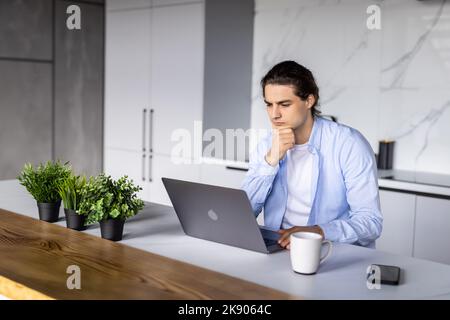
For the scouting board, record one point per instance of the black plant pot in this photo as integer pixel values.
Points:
(49, 211)
(74, 220)
(112, 229)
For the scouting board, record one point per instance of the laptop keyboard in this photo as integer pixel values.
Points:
(270, 237)
(270, 242)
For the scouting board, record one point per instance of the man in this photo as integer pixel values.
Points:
(311, 174)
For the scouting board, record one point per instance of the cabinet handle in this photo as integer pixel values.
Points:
(151, 130)
(236, 168)
(150, 160)
(143, 167)
(144, 120)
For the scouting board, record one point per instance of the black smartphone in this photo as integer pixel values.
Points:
(388, 274)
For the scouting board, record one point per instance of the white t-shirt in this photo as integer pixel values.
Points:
(299, 176)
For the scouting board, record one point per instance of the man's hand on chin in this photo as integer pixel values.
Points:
(285, 240)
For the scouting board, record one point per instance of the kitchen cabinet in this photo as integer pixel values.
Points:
(79, 64)
(176, 72)
(398, 211)
(153, 87)
(127, 79)
(25, 84)
(26, 29)
(51, 85)
(415, 225)
(25, 115)
(432, 229)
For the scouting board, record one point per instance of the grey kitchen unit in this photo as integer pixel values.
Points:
(79, 64)
(51, 85)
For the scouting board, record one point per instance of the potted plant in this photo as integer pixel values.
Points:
(43, 184)
(110, 202)
(70, 193)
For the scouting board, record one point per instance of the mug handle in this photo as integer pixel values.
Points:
(330, 246)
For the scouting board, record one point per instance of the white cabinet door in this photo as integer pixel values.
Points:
(220, 175)
(133, 164)
(165, 166)
(177, 52)
(398, 211)
(432, 232)
(127, 78)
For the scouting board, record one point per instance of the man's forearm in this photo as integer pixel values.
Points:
(284, 240)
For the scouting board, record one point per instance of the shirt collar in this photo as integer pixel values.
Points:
(316, 134)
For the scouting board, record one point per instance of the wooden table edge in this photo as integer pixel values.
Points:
(12, 289)
(16, 291)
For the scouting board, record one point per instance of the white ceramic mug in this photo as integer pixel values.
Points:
(305, 251)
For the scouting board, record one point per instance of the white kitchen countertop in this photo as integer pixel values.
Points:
(402, 180)
(156, 229)
(418, 182)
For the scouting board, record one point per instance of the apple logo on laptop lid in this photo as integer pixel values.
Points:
(212, 215)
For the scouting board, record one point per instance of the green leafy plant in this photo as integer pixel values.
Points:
(43, 182)
(70, 191)
(104, 198)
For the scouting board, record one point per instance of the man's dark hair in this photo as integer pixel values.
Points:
(296, 75)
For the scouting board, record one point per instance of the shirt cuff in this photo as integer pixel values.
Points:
(266, 169)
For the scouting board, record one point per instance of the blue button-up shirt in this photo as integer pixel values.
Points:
(345, 200)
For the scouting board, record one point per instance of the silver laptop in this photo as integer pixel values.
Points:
(219, 214)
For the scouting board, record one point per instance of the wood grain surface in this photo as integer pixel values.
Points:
(35, 255)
